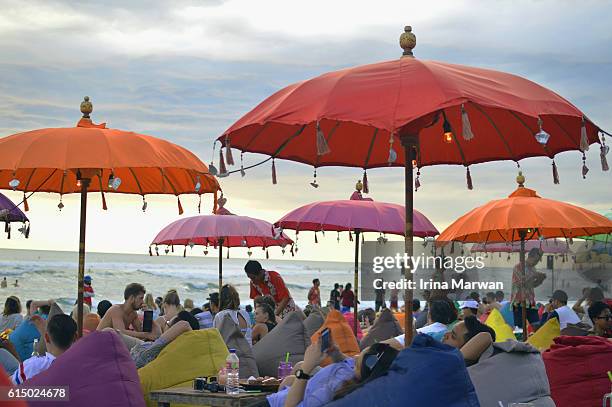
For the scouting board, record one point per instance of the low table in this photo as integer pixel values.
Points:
(186, 395)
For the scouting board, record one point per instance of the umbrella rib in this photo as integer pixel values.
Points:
(517, 117)
(331, 133)
(168, 179)
(456, 142)
(136, 180)
(367, 160)
(261, 130)
(29, 180)
(496, 129)
(565, 132)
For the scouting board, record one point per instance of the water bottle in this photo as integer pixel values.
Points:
(232, 367)
(34, 350)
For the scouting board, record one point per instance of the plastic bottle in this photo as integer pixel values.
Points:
(34, 350)
(232, 367)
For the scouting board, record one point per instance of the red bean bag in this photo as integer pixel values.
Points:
(577, 369)
(6, 385)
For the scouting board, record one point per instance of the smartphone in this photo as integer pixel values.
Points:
(147, 321)
(325, 339)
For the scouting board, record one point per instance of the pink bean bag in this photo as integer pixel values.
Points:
(98, 371)
(577, 369)
(349, 319)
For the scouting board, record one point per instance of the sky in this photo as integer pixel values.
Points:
(186, 70)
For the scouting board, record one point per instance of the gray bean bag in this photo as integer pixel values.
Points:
(313, 322)
(234, 339)
(511, 371)
(288, 336)
(385, 327)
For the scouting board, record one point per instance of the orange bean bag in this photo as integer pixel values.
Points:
(342, 335)
(401, 318)
(90, 322)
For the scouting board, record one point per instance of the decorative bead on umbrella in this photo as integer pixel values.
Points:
(439, 113)
(93, 158)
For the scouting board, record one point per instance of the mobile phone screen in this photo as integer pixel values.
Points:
(147, 322)
(325, 338)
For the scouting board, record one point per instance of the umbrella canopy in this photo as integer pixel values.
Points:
(601, 238)
(90, 157)
(9, 212)
(521, 217)
(409, 113)
(552, 246)
(221, 229)
(359, 215)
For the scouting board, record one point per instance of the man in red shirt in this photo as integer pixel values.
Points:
(88, 291)
(264, 282)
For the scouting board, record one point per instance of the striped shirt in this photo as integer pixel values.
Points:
(31, 367)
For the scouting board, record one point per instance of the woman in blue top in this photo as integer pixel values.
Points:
(333, 381)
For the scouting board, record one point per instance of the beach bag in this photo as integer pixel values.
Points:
(349, 317)
(543, 338)
(427, 374)
(517, 361)
(313, 322)
(385, 327)
(577, 369)
(503, 331)
(289, 336)
(98, 372)
(341, 333)
(193, 354)
(234, 339)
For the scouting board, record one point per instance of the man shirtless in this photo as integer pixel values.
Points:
(123, 317)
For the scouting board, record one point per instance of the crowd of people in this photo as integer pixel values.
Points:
(146, 325)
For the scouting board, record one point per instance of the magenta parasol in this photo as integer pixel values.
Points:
(356, 215)
(223, 229)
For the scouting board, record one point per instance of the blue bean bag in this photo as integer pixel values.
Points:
(508, 313)
(428, 373)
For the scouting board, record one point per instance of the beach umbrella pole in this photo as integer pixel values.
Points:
(83, 225)
(522, 235)
(410, 143)
(220, 243)
(357, 232)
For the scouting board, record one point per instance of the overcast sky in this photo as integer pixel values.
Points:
(186, 70)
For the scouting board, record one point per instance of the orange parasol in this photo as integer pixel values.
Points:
(90, 157)
(524, 216)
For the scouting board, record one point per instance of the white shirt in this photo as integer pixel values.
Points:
(566, 316)
(247, 332)
(31, 367)
(427, 329)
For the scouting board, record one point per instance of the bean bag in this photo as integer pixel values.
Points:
(289, 336)
(428, 373)
(579, 329)
(503, 331)
(5, 384)
(400, 317)
(385, 327)
(98, 371)
(508, 314)
(349, 317)
(234, 339)
(543, 338)
(90, 323)
(577, 369)
(193, 354)
(341, 333)
(511, 359)
(313, 322)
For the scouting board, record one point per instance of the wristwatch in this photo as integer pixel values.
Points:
(301, 375)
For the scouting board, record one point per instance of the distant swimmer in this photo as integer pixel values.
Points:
(16, 283)
(3, 284)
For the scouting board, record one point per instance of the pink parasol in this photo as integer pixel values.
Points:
(356, 215)
(219, 230)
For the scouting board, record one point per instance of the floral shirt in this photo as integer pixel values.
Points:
(274, 286)
(522, 287)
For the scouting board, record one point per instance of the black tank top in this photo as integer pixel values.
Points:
(270, 325)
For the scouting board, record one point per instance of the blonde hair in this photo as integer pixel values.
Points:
(150, 302)
(172, 298)
(188, 304)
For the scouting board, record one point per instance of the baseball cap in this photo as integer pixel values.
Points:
(469, 304)
(213, 298)
(87, 279)
(559, 295)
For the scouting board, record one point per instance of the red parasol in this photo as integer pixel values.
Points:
(439, 113)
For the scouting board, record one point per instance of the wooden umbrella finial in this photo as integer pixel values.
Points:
(520, 179)
(407, 41)
(86, 107)
(359, 186)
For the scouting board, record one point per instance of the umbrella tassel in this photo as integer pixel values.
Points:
(156, 250)
(216, 202)
(366, 187)
(316, 241)
(199, 203)
(8, 231)
(584, 140)
(468, 176)
(144, 204)
(417, 181)
(350, 236)
(242, 172)
(150, 252)
(322, 146)
(222, 167)
(27, 233)
(229, 157)
(104, 207)
(603, 151)
(274, 181)
(267, 254)
(180, 207)
(26, 207)
(227, 257)
(555, 173)
(185, 252)
(6, 226)
(585, 169)
(467, 127)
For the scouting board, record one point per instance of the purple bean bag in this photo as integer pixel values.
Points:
(98, 371)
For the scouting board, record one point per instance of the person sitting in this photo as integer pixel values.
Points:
(601, 317)
(171, 306)
(146, 352)
(59, 332)
(124, 319)
(11, 315)
(559, 309)
(492, 302)
(249, 310)
(75, 311)
(469, 308)
(441, 314)
(150, 305)
(24, 335)
(103, 306)
(230, 305)
(334, 381)
(264, 322)
(188, 304)
(205, 317)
